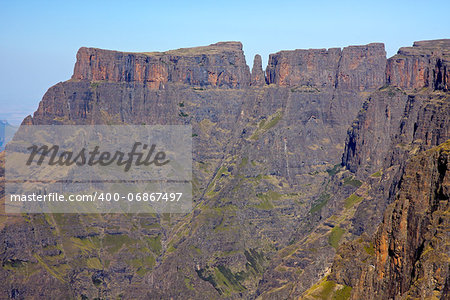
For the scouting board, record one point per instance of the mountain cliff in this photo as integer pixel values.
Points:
(425, 64)
(356, 67)
(290, 167)
(221, 64)
(404, 164)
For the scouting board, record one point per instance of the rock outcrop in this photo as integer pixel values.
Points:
(258, 77)
(355, 67)
(390, 119)
(399, 147)
(425, 64)
(411, 245)
(409, 256)
(221, 64)
(393, 125)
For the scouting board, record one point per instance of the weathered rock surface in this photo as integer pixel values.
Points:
(425, 64)
(393, 125)
(271, 201)
(258, 77)
(221, 64)
(387, 147)
(409, 256)
(356, 67)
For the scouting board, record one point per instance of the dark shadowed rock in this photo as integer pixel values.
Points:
(391, 127)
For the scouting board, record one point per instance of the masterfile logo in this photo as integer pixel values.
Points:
(94, 157)
(99, 168)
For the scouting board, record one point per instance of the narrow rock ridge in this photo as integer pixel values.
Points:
(355, 67)
(425, 64)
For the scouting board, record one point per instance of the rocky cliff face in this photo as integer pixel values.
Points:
(408, 257)
(411, 245)
(425, 64)
(393, 125)
(390, 261)
(356, 67)
(221, 64)
(271, 202)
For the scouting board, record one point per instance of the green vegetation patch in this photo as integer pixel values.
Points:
(320, 203)
(188, 284)
(86, 245)
(352, 200)
(227, 280)
(266, 199)
(376, 174)
(57, 271)
(210, 190)
(114, 242)
(327, 289)
(352, 181)
(335, 236)
(272, 122)
(370, 249)
(94, 263)
(265, 205)
(255, 260)
(244, 162)
(171, 249)
(333, 171)
(143, 264)
(154, 244)
(343, 294)
(265, 125)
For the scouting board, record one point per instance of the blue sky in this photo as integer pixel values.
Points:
(39, 39)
